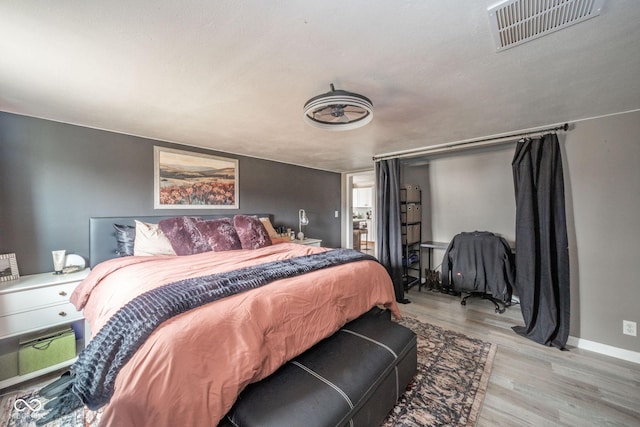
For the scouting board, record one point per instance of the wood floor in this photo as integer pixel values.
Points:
(534, 385)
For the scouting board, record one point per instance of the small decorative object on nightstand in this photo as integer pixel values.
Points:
(8, 267)
(308, 242)
(58, 260)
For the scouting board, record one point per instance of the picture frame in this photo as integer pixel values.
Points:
(8, 267)
(189, 180)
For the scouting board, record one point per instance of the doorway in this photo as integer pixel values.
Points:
(359, 226)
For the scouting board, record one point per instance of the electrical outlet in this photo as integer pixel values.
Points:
(629, 327)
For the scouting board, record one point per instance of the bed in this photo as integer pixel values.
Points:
(191, 369)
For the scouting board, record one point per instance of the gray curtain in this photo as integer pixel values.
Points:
(542, 249)
(388, 222)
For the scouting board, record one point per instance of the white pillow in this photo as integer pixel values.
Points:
(150, 241)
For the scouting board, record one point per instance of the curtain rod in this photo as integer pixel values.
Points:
(471, 143)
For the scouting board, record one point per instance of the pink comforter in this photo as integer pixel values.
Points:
(191, 369)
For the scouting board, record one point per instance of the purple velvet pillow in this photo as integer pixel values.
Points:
(184, 236)
(252, 233)
(219, 234)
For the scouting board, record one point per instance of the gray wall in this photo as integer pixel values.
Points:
(55, 176)
(474, 191)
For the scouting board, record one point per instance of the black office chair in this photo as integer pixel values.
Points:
(480, 263)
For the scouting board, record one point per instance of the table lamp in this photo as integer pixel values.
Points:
(302, 220)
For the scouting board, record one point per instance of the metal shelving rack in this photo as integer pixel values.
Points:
(411, 227)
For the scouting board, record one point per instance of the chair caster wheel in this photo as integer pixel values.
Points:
(463, 303)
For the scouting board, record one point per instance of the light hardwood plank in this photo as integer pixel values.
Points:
(534, 385)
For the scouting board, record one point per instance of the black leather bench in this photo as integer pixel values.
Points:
(352, 378)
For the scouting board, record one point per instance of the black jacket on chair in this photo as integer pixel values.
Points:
(479, 261)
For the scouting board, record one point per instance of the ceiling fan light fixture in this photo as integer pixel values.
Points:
(338, 110)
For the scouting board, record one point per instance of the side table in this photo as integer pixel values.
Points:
(308, 242)
(34, 303)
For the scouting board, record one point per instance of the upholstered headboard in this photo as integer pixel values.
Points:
(102, 237)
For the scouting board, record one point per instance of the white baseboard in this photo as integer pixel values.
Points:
(619, 353)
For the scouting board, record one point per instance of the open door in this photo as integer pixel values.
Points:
(359, 224)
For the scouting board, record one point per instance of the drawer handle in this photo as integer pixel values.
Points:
(62, 293)
(62, 314)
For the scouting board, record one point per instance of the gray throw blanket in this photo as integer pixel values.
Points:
(95, 371)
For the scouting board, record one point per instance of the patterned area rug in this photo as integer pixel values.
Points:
(448, 389)
(451, 382)
(25, 408)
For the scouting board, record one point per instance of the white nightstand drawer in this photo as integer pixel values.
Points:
(38, 319)
(17, 302)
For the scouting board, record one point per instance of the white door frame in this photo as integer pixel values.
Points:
(346, 225)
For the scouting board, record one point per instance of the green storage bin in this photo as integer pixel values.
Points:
(8, 365)
(48, 349)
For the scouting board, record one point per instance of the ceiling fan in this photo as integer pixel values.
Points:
(338, 110)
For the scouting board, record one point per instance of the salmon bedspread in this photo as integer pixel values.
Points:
(191, 369)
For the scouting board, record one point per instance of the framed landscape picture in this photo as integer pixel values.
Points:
(8, 267)
(187, 180)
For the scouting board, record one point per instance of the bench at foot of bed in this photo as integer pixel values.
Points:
(352, 378)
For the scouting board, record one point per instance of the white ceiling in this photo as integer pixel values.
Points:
(234, 75)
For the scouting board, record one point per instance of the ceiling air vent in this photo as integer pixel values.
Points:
(514, 22)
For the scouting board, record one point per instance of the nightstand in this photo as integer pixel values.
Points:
(34, 303)
(308, 242)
